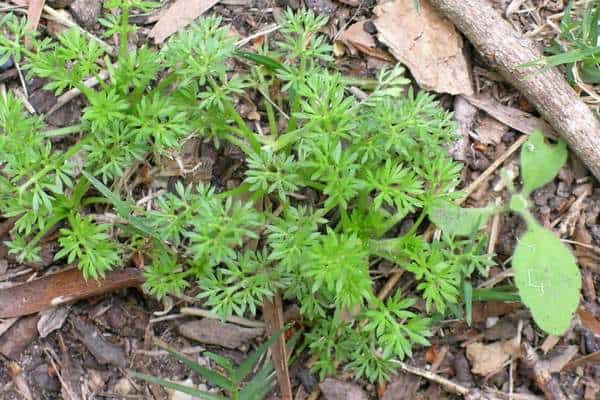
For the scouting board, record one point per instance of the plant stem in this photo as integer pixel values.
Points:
(67, 130)
(124, 32)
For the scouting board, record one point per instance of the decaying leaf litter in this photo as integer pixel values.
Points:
(78, 359)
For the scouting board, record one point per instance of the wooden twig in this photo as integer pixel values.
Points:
(507, 50)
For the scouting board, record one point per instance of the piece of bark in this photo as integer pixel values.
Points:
(18, 337)
(426, 43)
(212, 331)
(103, 351)
(60, 288)
(273, 316)
(507, 50)
(543, 378)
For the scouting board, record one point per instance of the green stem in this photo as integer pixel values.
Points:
(49, 167)
(244, 130)
(124, 32)
(67, 130)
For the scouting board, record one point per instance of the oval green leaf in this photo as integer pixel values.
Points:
(457, 221)
(540, 161)
(548, 279)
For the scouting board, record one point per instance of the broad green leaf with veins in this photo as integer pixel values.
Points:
(454, 220)
(548, 278)
(540, 162)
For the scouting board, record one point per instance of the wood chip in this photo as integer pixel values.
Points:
(333, 389)
(52, 319)
(427, 44)
(18, 337)
(179, 15)
(60, 288)
(211, 331)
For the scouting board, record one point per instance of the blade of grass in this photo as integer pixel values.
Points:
(211, 376)
(176, 386)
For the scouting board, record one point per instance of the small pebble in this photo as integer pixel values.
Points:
(7, 65)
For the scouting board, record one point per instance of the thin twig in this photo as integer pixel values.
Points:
(199, 312)
(493, 167)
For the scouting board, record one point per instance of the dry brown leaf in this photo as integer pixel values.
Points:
(179, 15)
(356, 38)
(427, 44)
(34, 13)
(515, 118)
(334, 389)
(489, 130)
(212, 331)
(589, 320)
(356, 33)
(489, 358)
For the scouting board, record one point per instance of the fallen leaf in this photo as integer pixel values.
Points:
(103, 351)
(62, 287)
(426, 43)
(333, 389)
(489, 130)
(34, 13)
(179, 15)
(589, 320)
(515, 118)
(557, 362)
(402, 387)
(487, 359)
(23, 332)
(52, 319)
(211, 331)
(484, 310)
(356, 33)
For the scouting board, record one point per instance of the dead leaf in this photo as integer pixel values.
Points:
(273, 316)
(103, 351)
(333, 389)
(557, 362)
(481, 311)
(589, 320)
(402, 387)
(34, 13)
(62, 287)
(487, 359)
(211, 331)
(356, 33)
(179, 15)
(23, 332)
(426, 43)
(357, 38)
(515, 118)
(52, 319)
(489, 130)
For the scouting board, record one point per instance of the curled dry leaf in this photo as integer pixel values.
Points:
(427, 44)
